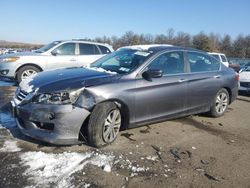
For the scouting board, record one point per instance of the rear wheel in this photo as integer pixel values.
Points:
(25, 72)
(220, 103)
(104, 124)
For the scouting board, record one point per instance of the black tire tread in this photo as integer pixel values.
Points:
(95, 125)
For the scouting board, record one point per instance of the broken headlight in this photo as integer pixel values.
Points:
(63, 97)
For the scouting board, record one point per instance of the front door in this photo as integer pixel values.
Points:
(63, 56)
(165, 96)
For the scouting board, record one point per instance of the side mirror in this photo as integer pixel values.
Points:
(55, 52)
(152, 73)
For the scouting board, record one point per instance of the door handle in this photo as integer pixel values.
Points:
(73, 59)
(182, 80)
(217, 76)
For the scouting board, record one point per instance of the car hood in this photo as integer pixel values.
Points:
(66, 79)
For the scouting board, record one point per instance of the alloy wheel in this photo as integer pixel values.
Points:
(28, 73)
(221, 102)
(112, 126)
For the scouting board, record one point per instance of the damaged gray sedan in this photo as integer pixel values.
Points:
(131, 87)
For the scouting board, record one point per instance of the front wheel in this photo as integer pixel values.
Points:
(220, 103)
(104, 124)
(25, 72)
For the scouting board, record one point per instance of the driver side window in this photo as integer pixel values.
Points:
(65, 49)
(169, 63)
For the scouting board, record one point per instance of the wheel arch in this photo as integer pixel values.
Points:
(124, 112)
(27, 64)
(229, 93)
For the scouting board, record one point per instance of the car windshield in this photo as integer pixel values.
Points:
(123, 61)
(47, 47)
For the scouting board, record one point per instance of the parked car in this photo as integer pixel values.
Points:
(130, 87)
(245, 66)
(58, 54)
(245, 80)
(221, 57)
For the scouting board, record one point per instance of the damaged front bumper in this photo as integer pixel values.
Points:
(55, 124)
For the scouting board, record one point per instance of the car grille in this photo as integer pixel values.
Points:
(21, 95)
(245, 84)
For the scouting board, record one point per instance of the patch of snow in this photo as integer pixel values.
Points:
(133, 174)
(99, 69)
(102, 160)
(107, 168)
(49, 169)
(25, 84)
(10, 146)
(138, 169)
(151, 158)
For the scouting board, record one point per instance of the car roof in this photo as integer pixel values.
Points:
(215, 53)
(84, 41)
(158, 47)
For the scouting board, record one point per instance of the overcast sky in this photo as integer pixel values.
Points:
(48, 20)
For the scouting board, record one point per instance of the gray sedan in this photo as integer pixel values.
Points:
(132, 86)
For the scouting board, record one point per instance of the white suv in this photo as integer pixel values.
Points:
(58, 54)
(221, 57)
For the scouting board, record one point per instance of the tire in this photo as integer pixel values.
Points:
(26, 71)
(104, 124)
(220, 103)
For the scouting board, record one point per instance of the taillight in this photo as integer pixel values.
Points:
(237, 76)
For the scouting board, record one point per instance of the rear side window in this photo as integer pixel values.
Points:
(169, 63)
(65, 49)
(224, 59)
(88, 49)
(104, 49)
(216, 56)
(202, 63)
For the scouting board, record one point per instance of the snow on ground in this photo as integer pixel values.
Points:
(49, 169)
(10, 146)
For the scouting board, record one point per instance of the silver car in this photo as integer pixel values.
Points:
(130, 87)
(58, 54)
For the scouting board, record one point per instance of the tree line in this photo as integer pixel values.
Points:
(238, 47)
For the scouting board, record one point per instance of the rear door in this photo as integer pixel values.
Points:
(164, 96)
(204, 80)
(64, 56)
(88, 53)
